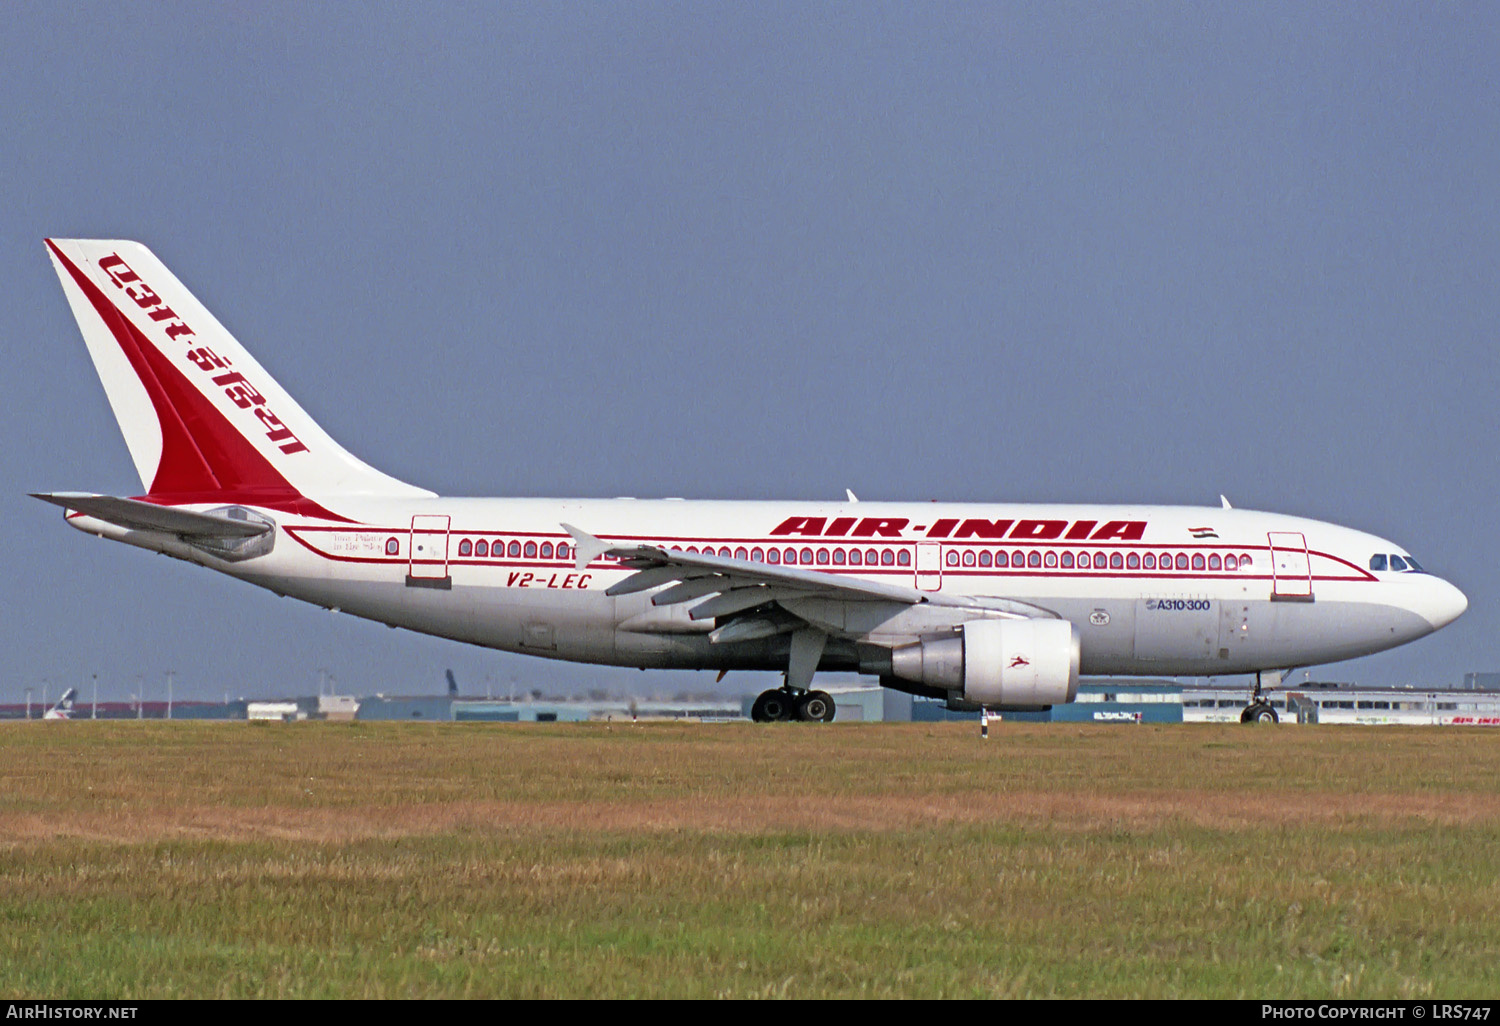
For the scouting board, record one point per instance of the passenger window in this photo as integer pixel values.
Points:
(392, 547)
(838, 557)
(789, 557)
(1182, 561)
(1050, 560)
(1067, 560)
(855, 557)
(531, 550)
(1133, 561)
(1116, 561)
(1002, 559)
(822, 557)
(1214, 562)
(872, 557)
(1397, 563)
(1231, 563)
(1033, 558)
(1149, 561)
(692, 550)
(481, 548)
(951, 558)
(1084, 561)
(465, 547)
(546, 550)
(968, 557)
(757, 555)
(1018, 558)
(903, 557)
(1245, 560)
(985, 559)
(724, 551)
(513, 549)
(773, 556)
(739, 552)
(1197, 561)
(887, 557)
(807, 557)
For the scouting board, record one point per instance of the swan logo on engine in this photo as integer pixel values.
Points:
(1019, 661)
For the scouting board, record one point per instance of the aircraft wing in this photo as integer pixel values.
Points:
(722, 586)
(135, 515)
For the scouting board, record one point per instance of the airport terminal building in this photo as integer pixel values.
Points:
(862, 700)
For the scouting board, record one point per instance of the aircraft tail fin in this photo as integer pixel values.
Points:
(64, 707)
(203, 420)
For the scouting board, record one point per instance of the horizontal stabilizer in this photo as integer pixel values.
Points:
(135, 515)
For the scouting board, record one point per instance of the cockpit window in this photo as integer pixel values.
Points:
(1399, 564)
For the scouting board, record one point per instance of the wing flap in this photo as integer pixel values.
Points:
(693, 575)
(740, 599)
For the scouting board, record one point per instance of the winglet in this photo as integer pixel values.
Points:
(850, 492)
(586, 547)
(1225, 502)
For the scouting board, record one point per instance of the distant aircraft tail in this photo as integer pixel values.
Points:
(203, 421)
(64, 708)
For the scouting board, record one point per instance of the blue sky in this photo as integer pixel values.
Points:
(1091, 252)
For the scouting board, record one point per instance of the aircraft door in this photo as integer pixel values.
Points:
(429, 552)
(1291, 569)
(929, 566)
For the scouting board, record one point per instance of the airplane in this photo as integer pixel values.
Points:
(63, 710)
(996, 606)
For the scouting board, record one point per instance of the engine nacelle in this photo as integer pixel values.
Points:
(998, 662)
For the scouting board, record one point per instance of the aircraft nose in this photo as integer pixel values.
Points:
(1442, 603)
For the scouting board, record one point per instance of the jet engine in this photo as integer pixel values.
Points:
(997, 662)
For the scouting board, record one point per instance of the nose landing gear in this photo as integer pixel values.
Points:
(1259, 710)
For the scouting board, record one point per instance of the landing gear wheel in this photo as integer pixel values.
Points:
(1259, 712)
(772, 706)
(815, 707)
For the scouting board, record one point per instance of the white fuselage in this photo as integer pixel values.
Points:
(993, 605)
(1152, 590)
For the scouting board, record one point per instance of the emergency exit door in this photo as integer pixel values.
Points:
(1291, 569)
(429, 552)
(929, 566)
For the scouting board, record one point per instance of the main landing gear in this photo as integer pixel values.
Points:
(795, 700)
(782, 704)
(1259, 710)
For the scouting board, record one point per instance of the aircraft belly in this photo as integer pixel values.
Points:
(1161, 633)
(1203, 634)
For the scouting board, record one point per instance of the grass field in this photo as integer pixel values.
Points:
(402, 860)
